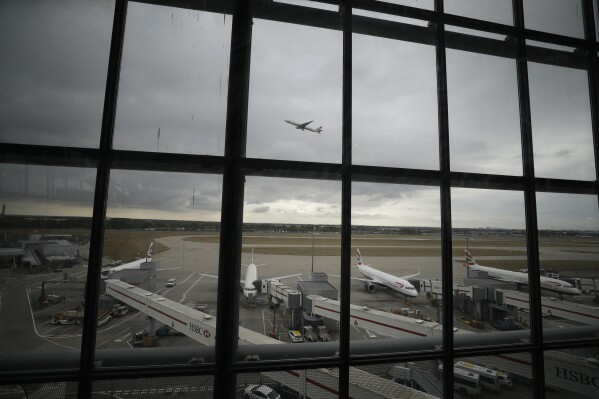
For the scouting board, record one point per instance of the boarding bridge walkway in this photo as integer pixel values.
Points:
(201, 327)
(565, 309)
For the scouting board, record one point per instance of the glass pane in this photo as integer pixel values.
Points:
(484, 121)
(563, 17)
(318, 384)
(572, 373)
(426, 4)
(45, 229)
(568, 238)
(561, 122)
(53, 72)
(160, 264)
(394, 105)
(509, 375)
(293, 233)
(396, 239)
(404, 379)
(179, 387)
(490, 264)
(499, 11)
(171, 99)
(52, 390)
(295, 93)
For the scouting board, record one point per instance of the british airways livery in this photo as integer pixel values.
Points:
(376, 277)
(547, 283)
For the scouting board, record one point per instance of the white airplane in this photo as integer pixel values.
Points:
(304, 126)
(135, 265)
(547, 283)
(250, 283)
(376, 277)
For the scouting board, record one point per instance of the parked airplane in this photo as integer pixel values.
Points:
(376, 277)
(547, 283)
(135, 265)
(304, 126)
(250, 283)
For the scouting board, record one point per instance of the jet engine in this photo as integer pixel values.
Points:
(368, 286)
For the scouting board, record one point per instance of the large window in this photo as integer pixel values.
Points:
(285, 199)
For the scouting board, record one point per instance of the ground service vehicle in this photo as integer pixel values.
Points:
(309, 334)
(488, 377)
(466, 382)
(171, 282)
(295, 336)
(119, 310)
(260, 392)
(166, 330)
(323, 334)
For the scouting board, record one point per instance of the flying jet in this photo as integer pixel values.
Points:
(375, 277)
(547, 283)
(304, 126)
(249, 285)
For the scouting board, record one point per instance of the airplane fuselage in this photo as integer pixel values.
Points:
(249, 290)
(388, 280)
(547, 283)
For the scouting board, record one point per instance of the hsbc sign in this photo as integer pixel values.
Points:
(200, 330)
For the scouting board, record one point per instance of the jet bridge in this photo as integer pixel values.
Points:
(565, 309)
(201, 327)
(197, 325)
(384, 323)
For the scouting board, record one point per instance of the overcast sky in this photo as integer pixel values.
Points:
(173, 98)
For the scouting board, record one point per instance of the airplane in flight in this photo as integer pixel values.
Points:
(250, 283)
(304, 126)
(547, 283)
(375, 277)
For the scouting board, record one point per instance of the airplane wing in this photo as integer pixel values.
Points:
(303, 125)
(282, 277)
(411, 275)
(208, 275)
(373, 281)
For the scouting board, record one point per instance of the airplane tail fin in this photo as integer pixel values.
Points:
(359, 258)
(469, 259)
(149, 253)
(318, 129)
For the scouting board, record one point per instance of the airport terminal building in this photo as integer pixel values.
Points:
(400, 132)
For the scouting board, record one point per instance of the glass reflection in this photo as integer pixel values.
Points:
(160, 265)
(563, 17)
(397, 248)
(53, 71)
(295, 89)
(173, 81)
(291, 247)
(484, 122)
(561, 122)
(44, 238)
(490, 266)
(394, 105)
(499, 11)
(568, 237)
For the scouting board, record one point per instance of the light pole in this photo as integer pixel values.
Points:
(313, 232)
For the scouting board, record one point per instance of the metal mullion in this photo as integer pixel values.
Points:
(218, 6)
(92, 288)
(532, 243)
(593, 77)
(166, 162)
(227, 323)
(445, 197)
(395, 9)
(26, 154)
(346, 184)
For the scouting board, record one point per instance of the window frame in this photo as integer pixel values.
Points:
(234, 166)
